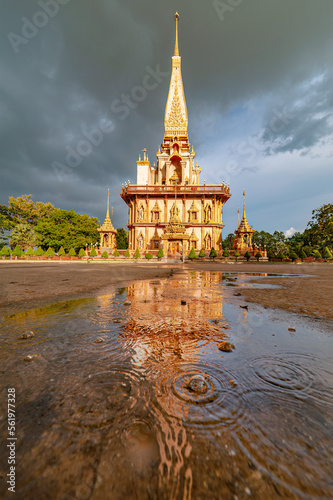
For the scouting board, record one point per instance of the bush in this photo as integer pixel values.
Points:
(213, 253)
(115, 253)
(258, 256)
(237, 254)
(93, 253)
(4, 252)
(281, 256)
(226, 253)
(29, 251)
(327, 254)
(247, 255)
(61, 252)
(192, 254)
(82, 253)
(127, 253)
(72, 253)
(137, 254)
(105, 255)
(160, 253)
(293, 256)
(149, 256)
(270, 254)
(38, 251)
(202, 253)
(50, 252)
(17, 251)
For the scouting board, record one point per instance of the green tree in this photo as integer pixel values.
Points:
(281, 256)
(302, 255)
(160, 253)
(237, 254)
(202, 253)
(38, 252)
(50, 253)
(6, 223)
(137, 254)
(93, 253)
(82, 253)
(105, 255)
(115, 253)
(228, 241)
(67, 229)
(293, 256)
(270, 254)
(25, 211)
(148, 256)
(327, 254)
(192, 255)
(127, 253)
(61, 252)
(29, 251)
(23, 235)
(316, 254)
(17, 251)
(71, 253)
(122, 238)
(320, 229)
(258, 256)
(213, 253)
(4, 252)
(226, 253)
(247, 255)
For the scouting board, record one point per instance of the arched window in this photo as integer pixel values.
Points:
(208, 242)
(141, 242)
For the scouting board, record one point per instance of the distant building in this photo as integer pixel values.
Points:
(168, 207)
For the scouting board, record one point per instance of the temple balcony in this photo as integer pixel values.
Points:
(157, 190)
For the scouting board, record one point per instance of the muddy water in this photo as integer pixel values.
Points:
(127, 396)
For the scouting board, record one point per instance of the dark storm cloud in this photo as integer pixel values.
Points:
(67, 82)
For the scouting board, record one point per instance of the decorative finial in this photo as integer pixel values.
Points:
(244, 201)
(108, 205)
(176, 42)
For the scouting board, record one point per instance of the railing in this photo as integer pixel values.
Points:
(180, 189)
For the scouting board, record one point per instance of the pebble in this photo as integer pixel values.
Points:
(183, 302)
(292, 329)
(127, 303)
(248, 491)
(99, 340)
(30, 357)
(226, 346)
(27, 335)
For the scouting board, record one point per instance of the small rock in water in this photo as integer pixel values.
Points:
(292, 329)
(30, 357)
(183, 302)
(237, 294)
(226, 346)
(117, 320)
(99, 340)
(233, 382)
(127, 303)
(197, 384)
(27, 335)
(244, 307)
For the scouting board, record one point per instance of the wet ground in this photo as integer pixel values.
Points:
(128, 396)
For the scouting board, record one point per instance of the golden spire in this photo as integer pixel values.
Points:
(108, 206)
(175, 121)
(176, 42)
(244, 226)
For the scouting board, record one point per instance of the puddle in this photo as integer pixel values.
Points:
(128, 396)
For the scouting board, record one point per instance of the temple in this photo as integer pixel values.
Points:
(168, 207)
(107, 231)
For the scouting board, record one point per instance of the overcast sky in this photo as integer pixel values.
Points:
(258, 84)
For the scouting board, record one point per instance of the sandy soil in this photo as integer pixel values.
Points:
(25, 285)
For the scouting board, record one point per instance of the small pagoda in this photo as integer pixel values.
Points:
(107, 231)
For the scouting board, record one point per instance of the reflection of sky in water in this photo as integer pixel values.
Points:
(143, 363)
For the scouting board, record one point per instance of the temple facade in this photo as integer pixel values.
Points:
(168, 206)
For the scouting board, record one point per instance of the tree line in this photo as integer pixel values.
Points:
(27, 224)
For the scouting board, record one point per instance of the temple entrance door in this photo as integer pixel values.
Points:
(174, 247)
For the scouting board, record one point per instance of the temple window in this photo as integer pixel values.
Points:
(156, 244)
